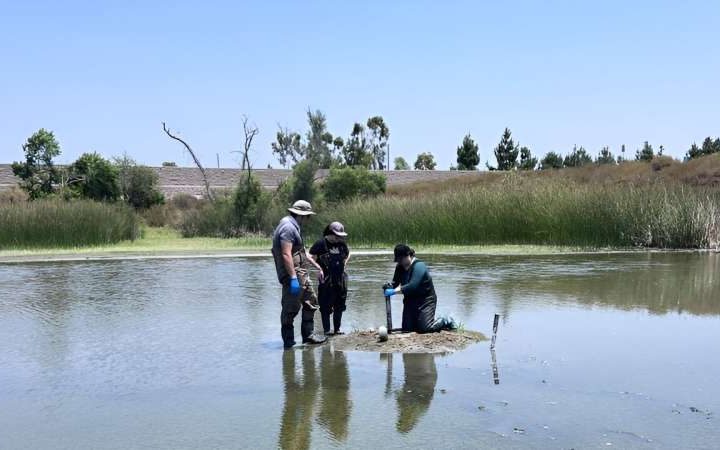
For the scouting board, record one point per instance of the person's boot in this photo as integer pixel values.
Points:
(325, 316)
(337, 319)
(288, 336)
(314, 339)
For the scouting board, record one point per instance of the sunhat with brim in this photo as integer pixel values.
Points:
(337, 229)
(301, 208)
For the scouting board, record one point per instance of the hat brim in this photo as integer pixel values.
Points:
(339, 233)
(300, 212)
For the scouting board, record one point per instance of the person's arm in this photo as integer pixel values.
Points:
(286, 249)
(347, 258)
(396, 277)
(414, 285)
(313, 261)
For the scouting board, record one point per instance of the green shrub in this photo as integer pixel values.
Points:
(93, 177)
(352, 182)
(59, 224)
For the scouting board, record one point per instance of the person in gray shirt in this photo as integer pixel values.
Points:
(292, 265)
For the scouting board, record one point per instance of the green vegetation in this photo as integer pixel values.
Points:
(541, 211)
(468, 157)
(425, 161)
(347, 183)
(37, 173)
(65, 224)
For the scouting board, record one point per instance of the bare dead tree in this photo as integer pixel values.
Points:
(250, 131)
(197, 162)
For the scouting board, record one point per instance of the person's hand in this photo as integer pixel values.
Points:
(294, 286)
(321, 277)
(389, 292)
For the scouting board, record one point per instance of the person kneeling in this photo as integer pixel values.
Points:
(413, 280)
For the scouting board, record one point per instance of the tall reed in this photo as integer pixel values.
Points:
(516, 211)
(61, 224)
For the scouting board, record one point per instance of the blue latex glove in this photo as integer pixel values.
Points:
(294, 286)
(389, 292)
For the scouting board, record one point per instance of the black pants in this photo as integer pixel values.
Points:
(332, 298)
(419, 315)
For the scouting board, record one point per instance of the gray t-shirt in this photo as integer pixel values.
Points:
(288, 230)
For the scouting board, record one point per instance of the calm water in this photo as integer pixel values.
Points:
(592, 351)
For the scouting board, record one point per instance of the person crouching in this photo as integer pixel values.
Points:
(412, 279)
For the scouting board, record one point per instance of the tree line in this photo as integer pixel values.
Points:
(90, 177)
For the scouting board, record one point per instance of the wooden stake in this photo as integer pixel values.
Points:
(495, 327)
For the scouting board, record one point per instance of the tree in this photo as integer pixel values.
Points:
(137, 185)
(379, 134)
(38, 173)
(709, 146)
(425, 161)
(645, 154)
(401, 164)
(169, 164)
(551, 161)
(577, 158)
(208, 192)
(694, 152)
(527, 161)
(319, 140)
(352, 182)
(605, 156)
(356, 151)
(506, 152)
(94, 177)
(468, 157)
(303, 181)
(141, 191)
(288, 147)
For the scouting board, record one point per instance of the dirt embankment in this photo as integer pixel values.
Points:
(442, 342)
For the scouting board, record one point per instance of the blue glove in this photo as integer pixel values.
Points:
(294, 286)
(389, 292)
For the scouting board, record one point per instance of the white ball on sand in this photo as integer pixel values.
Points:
(382, 334)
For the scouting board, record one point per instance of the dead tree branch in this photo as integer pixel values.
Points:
(197, 162)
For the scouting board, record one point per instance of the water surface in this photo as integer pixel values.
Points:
(593, 351)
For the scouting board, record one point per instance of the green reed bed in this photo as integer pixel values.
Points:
(61, 224)
(539, 212)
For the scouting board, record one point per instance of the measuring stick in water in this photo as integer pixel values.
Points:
(495, 327)
(388, 310)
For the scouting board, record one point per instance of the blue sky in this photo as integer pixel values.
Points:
(104, 75)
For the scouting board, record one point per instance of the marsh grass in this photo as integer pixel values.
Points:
(522, 211)
(61, 224)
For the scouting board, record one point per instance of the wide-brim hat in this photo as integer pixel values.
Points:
(337, 229)
(301, 208)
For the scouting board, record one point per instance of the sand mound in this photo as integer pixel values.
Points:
(442, 342)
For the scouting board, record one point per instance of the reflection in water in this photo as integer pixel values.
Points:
(417, 391)
(300, 391)
(335, 403)
(493, 358)
(301, 395)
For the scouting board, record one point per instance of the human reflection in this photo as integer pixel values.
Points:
(301, 388)
(416, 393)
(301, 397)
(335, 403)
